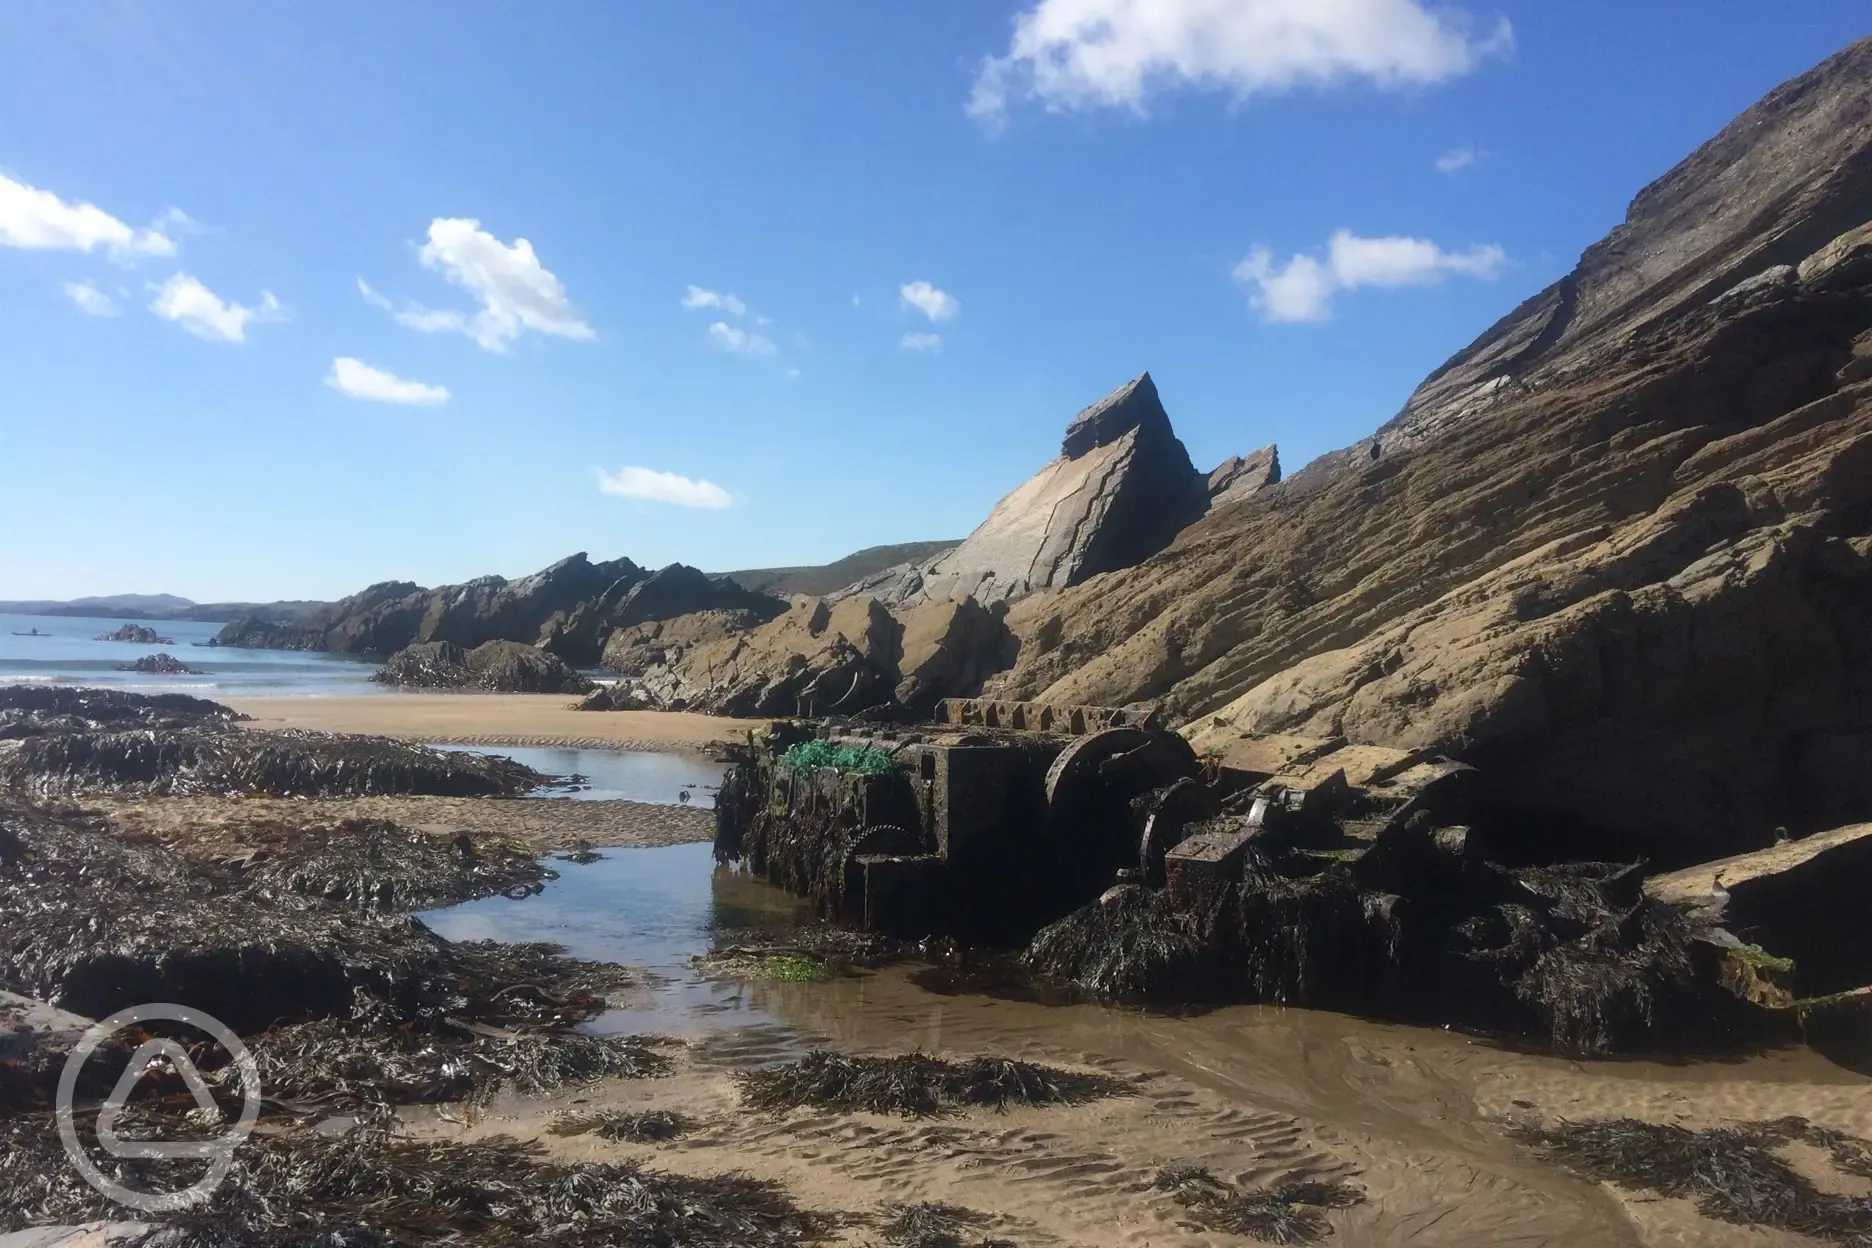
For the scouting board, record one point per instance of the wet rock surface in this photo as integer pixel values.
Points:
(493, 666)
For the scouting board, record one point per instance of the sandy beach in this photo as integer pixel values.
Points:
(518, 719)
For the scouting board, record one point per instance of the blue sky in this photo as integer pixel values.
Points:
(245, 248)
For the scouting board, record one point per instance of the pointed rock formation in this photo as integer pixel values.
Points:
(1121, 489)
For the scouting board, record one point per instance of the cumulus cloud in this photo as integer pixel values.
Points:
(732, 338)
(194, 307)
(39, 220)
(1079, 54)
(516, 291)
(1302, 289)
(90, 299)
(1457, 159)
(359, 380)
(921, 342)
(414, 315)
(663, 487)
(938, 305)
(697, 297)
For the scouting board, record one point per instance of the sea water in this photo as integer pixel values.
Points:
(66, 653)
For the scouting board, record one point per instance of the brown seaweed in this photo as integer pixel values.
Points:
(645, 1126)
(1286, 1213)
(367, 1186)
(1734, 1174)
(221, 761)
(917, 1085)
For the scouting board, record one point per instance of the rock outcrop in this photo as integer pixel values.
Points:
(1121, 489)
(160, 665)
(1618, 552)
(568, 610)
(140, 634)
(495, 666)
(1243, 476)
(819, 657)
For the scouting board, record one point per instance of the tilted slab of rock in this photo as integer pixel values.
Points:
(1243, 476)
(1121, 489)
(1617, 553)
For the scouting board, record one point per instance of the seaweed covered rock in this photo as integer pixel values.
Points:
(160, 665)
(291, 763)
(1574, 952)
(140, 634)
(35, 710)
(494, 666)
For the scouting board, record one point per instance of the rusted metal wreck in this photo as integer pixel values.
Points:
(1311, 872)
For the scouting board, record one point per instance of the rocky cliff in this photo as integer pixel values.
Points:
(1120, 490)
(567, 609)
(1618, 550)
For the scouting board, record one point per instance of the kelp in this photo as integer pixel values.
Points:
(1286, 1213)
(1131, 945)
(373, 865)
(102, 921)
(916, 1084)
(366, 1186)
(932, 1225)
(222, 761)
(1734, 1174)
(1573, 953)
(358, 1066)
(37, 710)
(643, 1126)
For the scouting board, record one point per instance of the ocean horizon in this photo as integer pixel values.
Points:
(66, 652)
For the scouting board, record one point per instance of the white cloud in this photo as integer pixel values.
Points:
(938, 305)
(1302, 289)
(193, 306)
(361, 381)
(696, 297)
(90, 299)
(921, 342)
(39, 220)
(663, 487)
(1457, 159)
(733, 339)
(517, 293)
(1076, 54)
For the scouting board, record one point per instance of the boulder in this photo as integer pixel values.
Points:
(159, 665)
(141, 634)
(1617, 552)
(1121, 489)
(495, 666)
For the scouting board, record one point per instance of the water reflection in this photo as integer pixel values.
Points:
(633, 775)
(650, 908)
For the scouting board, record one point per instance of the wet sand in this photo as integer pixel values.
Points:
(542, 824)
(518, 719)
(1412, 1117)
